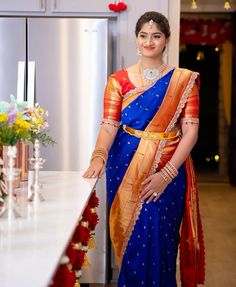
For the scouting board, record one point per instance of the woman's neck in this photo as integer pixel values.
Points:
(150, 63)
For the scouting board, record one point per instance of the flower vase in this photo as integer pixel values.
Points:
(23, 159)
(11, 210)
(36, 163)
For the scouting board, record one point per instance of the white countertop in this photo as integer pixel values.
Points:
(31, 246)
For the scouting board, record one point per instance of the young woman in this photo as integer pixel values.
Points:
(149, 128)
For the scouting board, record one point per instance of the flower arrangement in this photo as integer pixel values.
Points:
(14, 124)
(69, 272)
(20, 122)
(38, 125)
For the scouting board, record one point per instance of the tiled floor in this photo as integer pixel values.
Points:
(218, 209)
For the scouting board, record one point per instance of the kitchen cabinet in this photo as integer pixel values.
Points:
(22, 5)
(88, 6)
(71, 6)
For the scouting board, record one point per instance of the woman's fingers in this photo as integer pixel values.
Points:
(93, 171)
(147, 180)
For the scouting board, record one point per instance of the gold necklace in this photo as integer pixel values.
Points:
(151, 75)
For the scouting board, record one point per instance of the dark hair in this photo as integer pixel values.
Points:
(158, 18)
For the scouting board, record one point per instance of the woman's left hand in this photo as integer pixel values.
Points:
(153, 186)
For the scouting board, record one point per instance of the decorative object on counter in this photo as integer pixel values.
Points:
(10, 209)
(37, 163)
(14, 126)
(117, 6)
(23, 159)
(38, 135)
(3, 188)
(74, 259)
(38, 125)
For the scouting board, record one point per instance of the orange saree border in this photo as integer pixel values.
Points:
(192, 250)
(126, 206)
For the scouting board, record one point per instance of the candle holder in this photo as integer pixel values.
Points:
(36, 163)
(11, 209)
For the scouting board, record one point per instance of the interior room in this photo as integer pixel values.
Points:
(57, 60)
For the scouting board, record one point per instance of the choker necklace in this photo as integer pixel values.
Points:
(151, 75)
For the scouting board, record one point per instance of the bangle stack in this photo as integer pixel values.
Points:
(169, 172)
(100, 152)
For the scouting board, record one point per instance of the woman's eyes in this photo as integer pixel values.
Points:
(145, 36)
(156, 36)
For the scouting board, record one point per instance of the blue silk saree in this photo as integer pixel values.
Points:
(145, 236)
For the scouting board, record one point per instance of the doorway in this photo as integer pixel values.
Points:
(205, 60)
(202, 49)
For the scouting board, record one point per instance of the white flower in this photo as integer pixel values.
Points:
(64, 260)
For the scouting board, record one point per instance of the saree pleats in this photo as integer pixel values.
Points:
(150, 256)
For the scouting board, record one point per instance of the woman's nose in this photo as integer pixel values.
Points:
(149, 41)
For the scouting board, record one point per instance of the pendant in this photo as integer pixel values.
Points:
(152, 75)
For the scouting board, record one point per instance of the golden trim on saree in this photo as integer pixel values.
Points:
(146, 135)
(174, 120)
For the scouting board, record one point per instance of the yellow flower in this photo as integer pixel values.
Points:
(40, 121)
(21, 125)
(3, 118)
(41, 111)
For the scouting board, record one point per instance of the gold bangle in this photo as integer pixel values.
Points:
(100, 152)
(100, 156)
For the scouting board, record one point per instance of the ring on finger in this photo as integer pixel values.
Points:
(155, 194)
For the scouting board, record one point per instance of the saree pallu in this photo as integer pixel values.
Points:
(146, 236)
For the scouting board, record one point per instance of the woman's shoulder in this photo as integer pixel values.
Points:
(186, 70)
(123, 73)
(118, 74)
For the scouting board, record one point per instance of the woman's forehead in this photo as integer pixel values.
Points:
(147, 28)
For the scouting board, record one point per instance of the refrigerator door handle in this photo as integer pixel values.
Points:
(41, 4)
(31, 83)
(54, 4)
(21, 81)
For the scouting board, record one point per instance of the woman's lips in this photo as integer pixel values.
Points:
(149, 47)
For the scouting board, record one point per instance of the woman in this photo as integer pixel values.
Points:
(150, 126)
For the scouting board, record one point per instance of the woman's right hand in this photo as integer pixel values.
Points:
(96, 168)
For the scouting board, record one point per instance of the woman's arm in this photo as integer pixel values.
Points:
(155, 182)
(189, 139)
(105, 139)
(109, 128)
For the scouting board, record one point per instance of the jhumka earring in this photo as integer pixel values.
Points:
(138, 52)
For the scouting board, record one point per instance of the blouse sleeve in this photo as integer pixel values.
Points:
(112, 101)
(190, 113)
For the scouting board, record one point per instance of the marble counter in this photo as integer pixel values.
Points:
(31, 246)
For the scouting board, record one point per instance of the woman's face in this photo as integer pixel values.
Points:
(150, 40)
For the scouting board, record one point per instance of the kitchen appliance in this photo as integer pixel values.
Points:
(63, 64)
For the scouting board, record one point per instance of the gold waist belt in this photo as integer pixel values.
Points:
(151, 135)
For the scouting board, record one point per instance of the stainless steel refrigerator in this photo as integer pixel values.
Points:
(63, 62)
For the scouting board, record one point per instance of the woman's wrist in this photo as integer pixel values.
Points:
(100, 152)
(168, 172)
